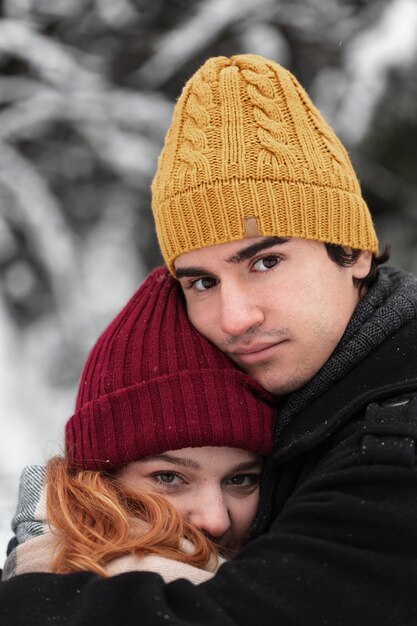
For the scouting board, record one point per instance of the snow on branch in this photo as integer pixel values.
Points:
(180, 45)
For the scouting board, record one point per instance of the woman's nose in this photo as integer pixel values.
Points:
(210, 515)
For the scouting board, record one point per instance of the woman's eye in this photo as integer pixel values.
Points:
(244, 480)
(266, 263)
(168, 478)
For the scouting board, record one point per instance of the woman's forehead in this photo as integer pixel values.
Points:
(201, 459)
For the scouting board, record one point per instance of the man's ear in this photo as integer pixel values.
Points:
(362, 265)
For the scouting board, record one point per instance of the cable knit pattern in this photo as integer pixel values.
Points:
(272, 130)
(247, 143)
(194, 144)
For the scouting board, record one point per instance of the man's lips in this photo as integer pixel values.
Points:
(254, 352)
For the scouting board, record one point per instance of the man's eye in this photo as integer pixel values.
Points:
(203, 284)
(265, 263)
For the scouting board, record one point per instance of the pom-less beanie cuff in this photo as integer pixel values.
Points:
(278, 208)
(248, 154)
(188, 409)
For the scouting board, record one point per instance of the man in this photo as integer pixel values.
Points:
(260, 216)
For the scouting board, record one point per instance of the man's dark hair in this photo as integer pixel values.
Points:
(346, 257)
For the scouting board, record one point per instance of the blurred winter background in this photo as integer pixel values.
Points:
(86, 94)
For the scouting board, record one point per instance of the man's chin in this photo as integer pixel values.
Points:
(271, 377)
(277, 384)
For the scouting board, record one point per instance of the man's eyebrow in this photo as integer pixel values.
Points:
(190, 272)
(250, 251)
(242, 255)
(174, 460)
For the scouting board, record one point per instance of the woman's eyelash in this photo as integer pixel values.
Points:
(166, 474)
(253, 478)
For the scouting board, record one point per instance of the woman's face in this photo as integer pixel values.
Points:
(215, 488)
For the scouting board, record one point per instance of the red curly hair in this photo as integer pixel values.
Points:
(95, 519)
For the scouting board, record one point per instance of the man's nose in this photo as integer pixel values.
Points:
(239, 311)
(210, 515)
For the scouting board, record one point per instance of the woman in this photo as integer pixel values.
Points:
(162, 455)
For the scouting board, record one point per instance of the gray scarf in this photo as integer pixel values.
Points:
(388, 305)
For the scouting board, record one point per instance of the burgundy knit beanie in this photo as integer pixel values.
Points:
(152, 383)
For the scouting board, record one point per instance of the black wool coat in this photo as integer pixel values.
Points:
(341, 542)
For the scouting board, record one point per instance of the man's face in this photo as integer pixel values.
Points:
(276, 307)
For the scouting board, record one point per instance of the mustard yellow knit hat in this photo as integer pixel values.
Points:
(248, 154)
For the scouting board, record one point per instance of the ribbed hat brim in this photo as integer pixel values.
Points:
(281, 209)
(217, 408)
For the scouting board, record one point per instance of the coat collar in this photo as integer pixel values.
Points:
(389, 370)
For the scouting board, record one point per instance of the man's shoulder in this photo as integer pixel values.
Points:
(387, 372)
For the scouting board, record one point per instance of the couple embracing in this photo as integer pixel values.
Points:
(248, 421)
